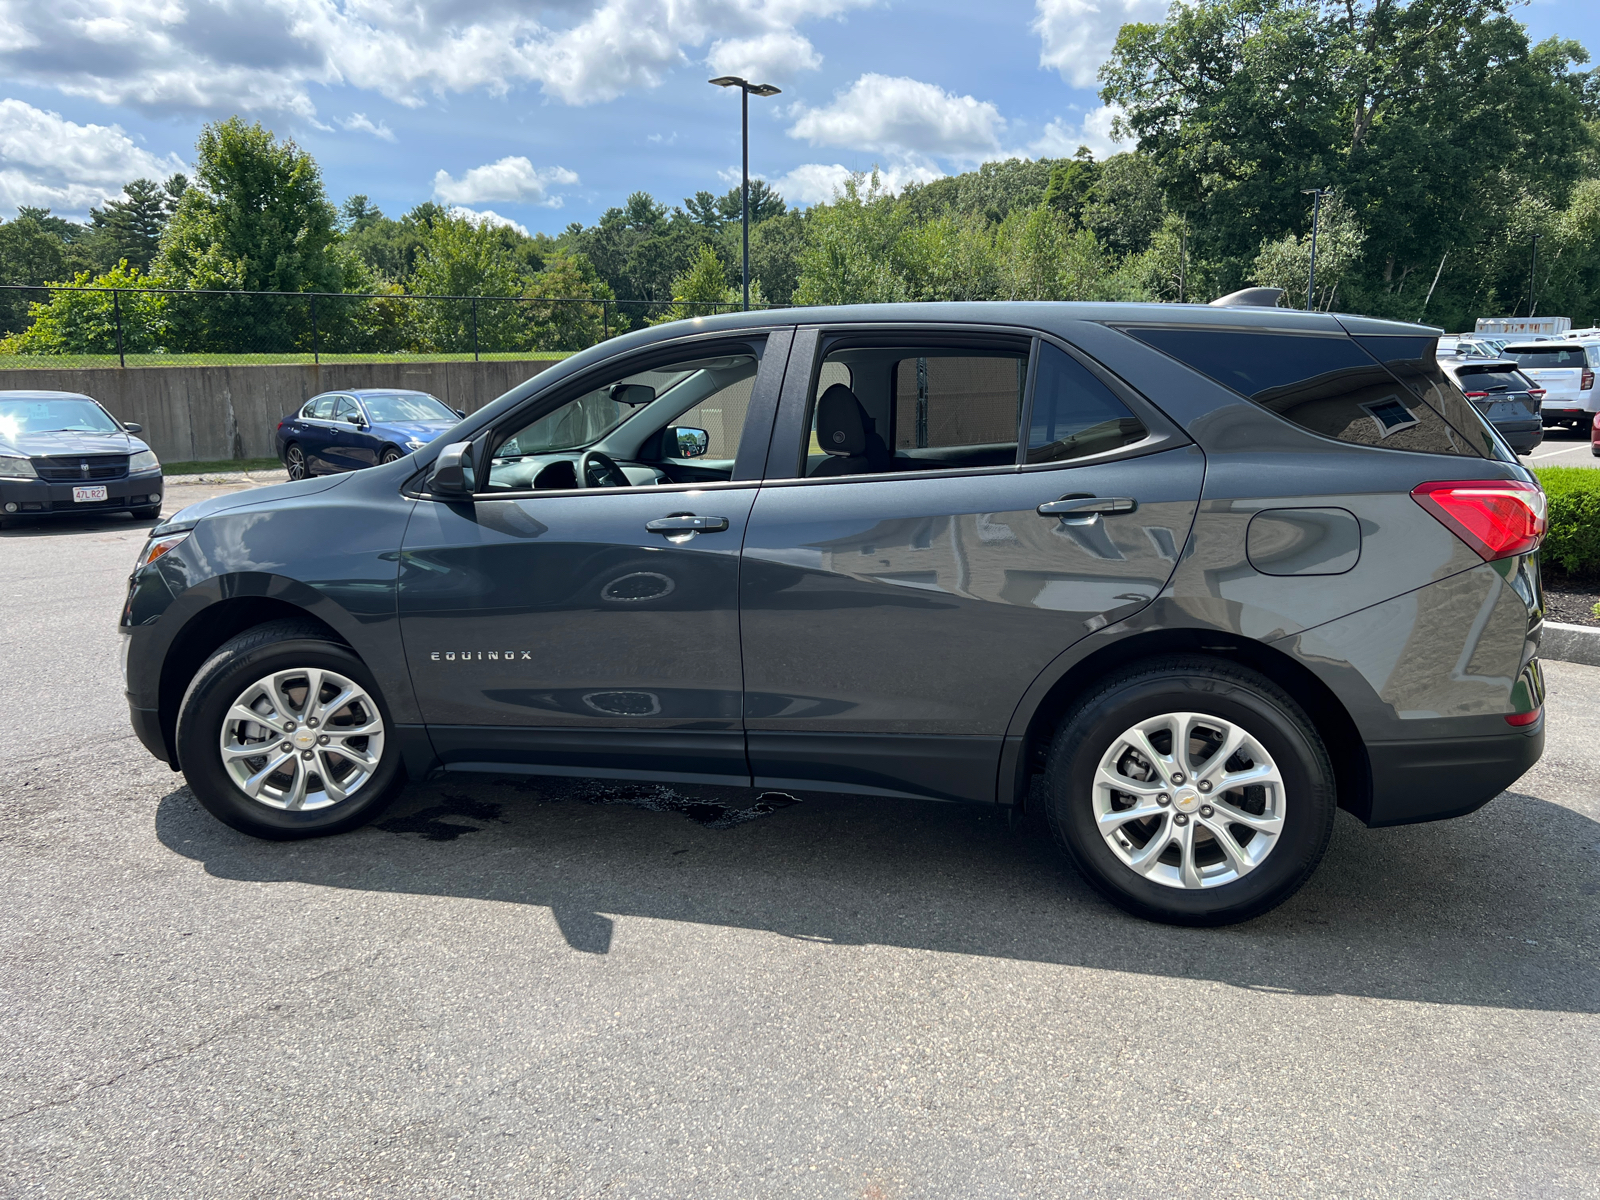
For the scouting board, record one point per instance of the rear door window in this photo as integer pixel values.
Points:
(1074, 413)
(1322, 382)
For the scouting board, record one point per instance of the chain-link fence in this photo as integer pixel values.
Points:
(55, 327)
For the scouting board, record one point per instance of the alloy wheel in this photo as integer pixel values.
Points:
(302, 739)
(296, 460)
(1189, 800)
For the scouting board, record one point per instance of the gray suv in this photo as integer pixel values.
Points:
(1186, 579)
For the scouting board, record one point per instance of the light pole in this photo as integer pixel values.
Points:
(1533, 263)
(1316, 211)
(746, 90)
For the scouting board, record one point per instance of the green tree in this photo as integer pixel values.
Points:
(31, 253)
(1286, 262)
(85, 322)
(255, 219)
(701, 290)
(129, 229)
(853, 252)
(1071, 183)
(459, 257)
(561, 316)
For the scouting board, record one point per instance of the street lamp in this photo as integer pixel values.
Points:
(1316, 211)
(746, 90)
(1533, 263)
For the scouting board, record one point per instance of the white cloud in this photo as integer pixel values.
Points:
(1078, 34)
(775, 55)
(513, 178)
(486, 216)
(818, 183)
(222, 56)
(905, 118)
(50, 162)
(359, 123)
(1061, 138)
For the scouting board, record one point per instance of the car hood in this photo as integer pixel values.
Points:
(68, 442)
(423, 431)
(254, 497)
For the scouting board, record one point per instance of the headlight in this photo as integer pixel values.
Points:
(145, 460)
(156, 547)
(16, 468)
(415, 444)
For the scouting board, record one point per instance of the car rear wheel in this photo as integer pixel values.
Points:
(294, 459)
(284, 734)
(1191, 791)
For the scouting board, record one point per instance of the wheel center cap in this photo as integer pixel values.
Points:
(305, 738)
(1185, 800)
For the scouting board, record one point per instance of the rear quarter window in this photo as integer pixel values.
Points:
(1411, 358)
(1321, 382)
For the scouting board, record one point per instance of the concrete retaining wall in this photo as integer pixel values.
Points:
(197, 414)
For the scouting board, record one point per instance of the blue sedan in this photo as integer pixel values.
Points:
(345, 431)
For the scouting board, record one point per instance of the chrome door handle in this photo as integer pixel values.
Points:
(1084, 506)
(687, 523)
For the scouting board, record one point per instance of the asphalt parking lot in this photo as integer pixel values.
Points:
(1562, 448)
(573, 990)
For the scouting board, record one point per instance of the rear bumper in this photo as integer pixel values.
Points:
(1438, 778)
(1521, 436)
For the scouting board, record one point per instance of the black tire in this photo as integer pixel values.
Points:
(294, 461)
(389, 455)
(1212, 687)
(276, 646)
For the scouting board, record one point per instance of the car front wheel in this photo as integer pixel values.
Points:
(1191, 791)
(294, 459)
(284, 734)
(390, 455)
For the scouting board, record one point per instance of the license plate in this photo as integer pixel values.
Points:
(88, 495)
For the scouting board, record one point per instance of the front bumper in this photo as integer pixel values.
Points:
(1439, 778)
(39, 497)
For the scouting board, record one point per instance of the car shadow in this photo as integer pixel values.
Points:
(1494, 909)
(24, 525)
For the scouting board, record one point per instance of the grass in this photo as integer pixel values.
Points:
(226, 464)
(72, 362)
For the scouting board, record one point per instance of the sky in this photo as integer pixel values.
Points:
(541, 114)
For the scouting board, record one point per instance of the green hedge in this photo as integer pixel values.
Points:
(1573, 542)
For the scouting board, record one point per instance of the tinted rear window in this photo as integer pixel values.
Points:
(1413, 363)
(1324, 383)
(1546, 357)
(1480, 378)
(1074, 414)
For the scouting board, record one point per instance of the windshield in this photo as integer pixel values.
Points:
(413, 407)
(1544, 357)
(42, 416)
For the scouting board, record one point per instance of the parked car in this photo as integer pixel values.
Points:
(1204, 574)
(1505, 396)
(63, 452)
(1566, 371)
(345, 431)
(1467, 346)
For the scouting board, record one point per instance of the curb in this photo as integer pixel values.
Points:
(214, 477)
(1570, 643)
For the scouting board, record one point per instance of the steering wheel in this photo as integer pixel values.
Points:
(596, 469)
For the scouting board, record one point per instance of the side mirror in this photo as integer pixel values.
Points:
(684, 441)
(452, 476)
(355, 419)
(133, 427)
(460, 412)
(633, 393)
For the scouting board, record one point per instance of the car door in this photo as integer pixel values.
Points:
(896, 603)
(560, 628)
(347, 448)
(315, 432)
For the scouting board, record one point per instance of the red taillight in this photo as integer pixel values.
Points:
(1536, 393)
(1475, 395)
(1496, 517)
(1586, 380)
(1524, 718)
